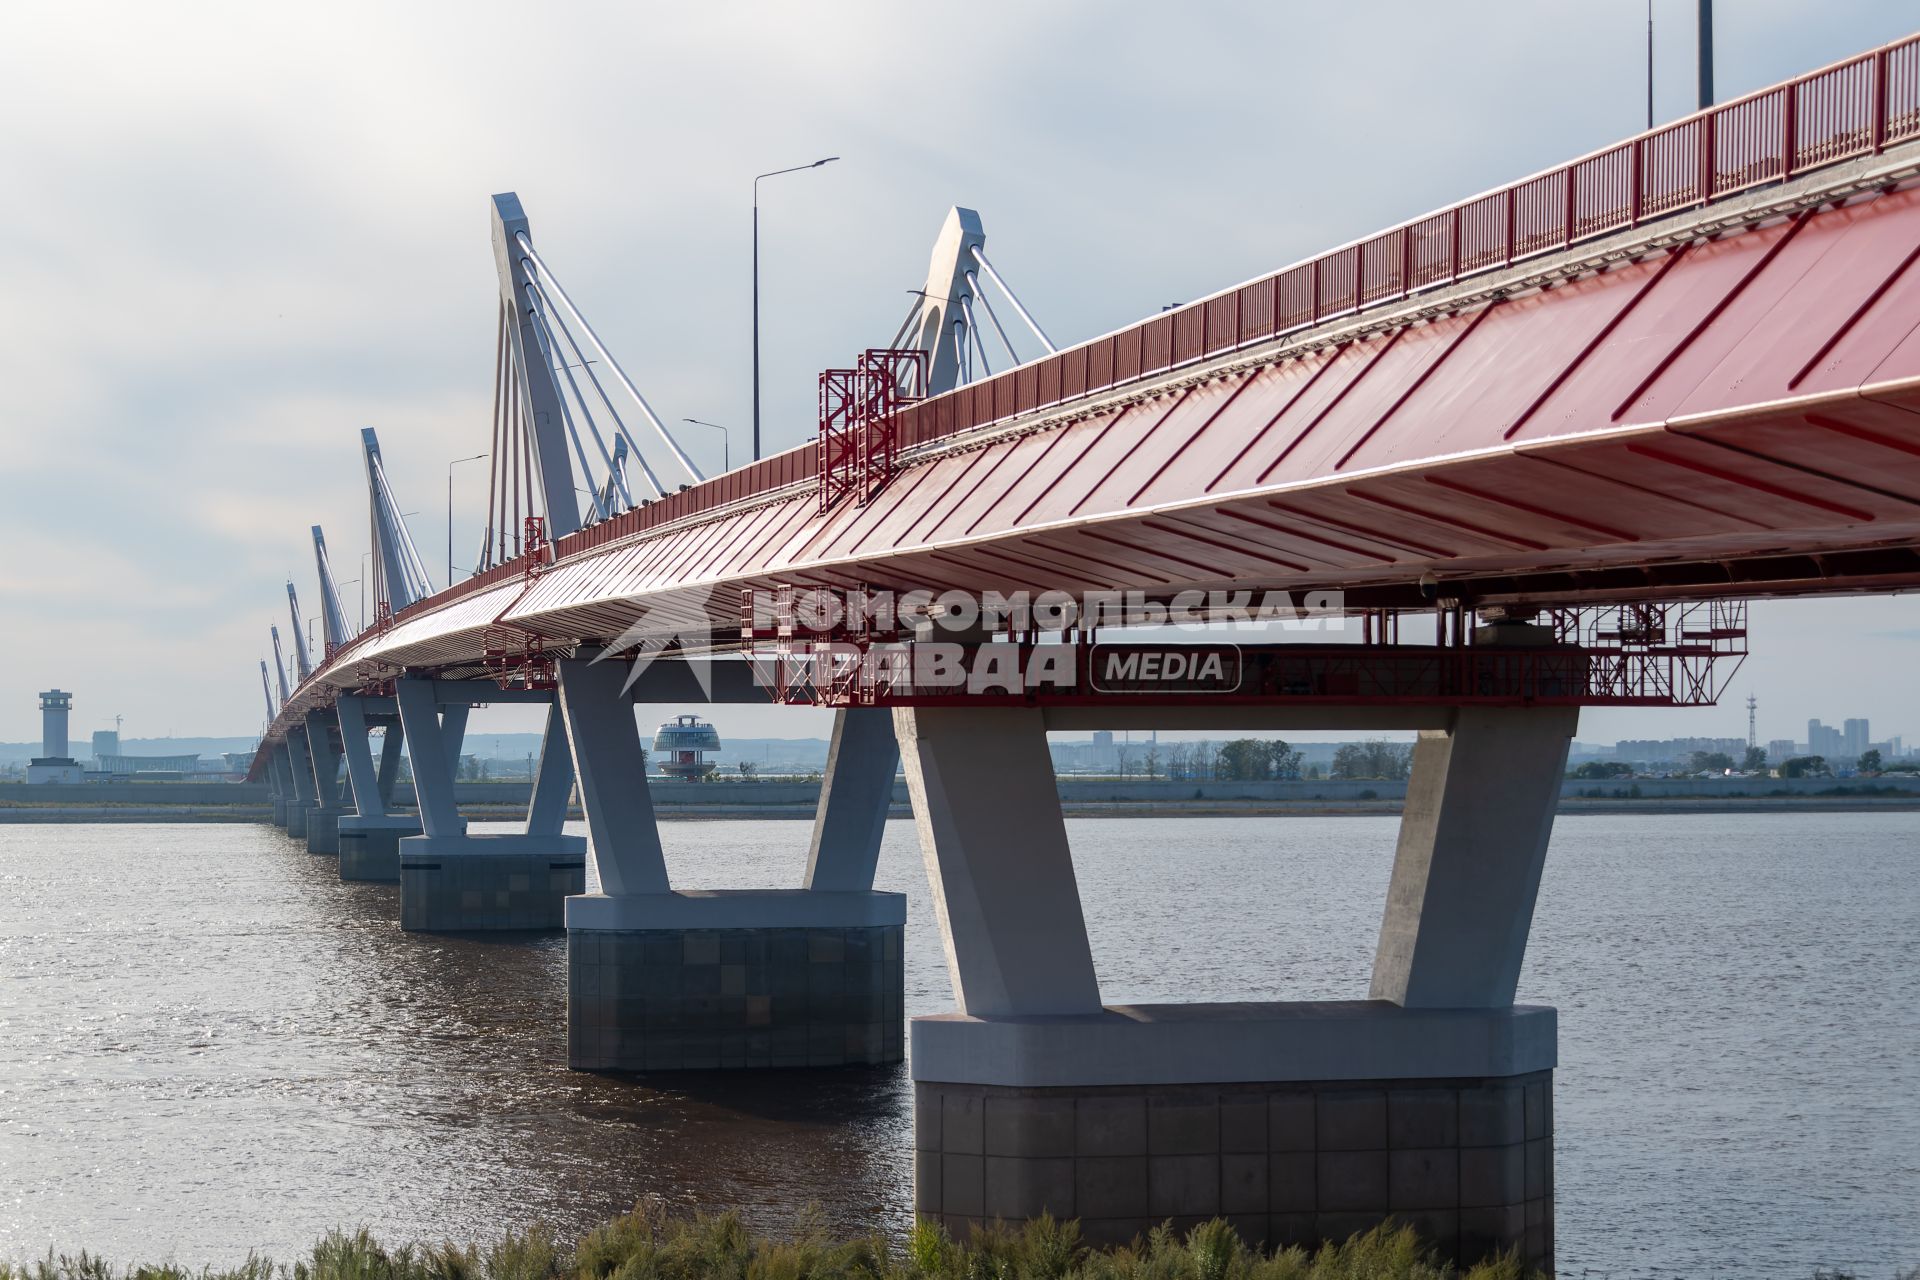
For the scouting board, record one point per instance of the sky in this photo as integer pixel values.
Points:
(238, 233)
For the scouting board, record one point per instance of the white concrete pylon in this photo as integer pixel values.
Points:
(856, 793)
(326, 760)
(540, 394)
(333, 619)
(402, 574)
(622, 838)
(300, 764)
(547, 807)
(280, 769)
(946, 283)
(355, 746)
(301, 664)
(435, 755)
(391, 741)
(1473, 841)
(279, 664)
(988, 813)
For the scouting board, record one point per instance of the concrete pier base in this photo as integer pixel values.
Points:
(734, 980)
(296, 823)
(1297, 1122)
(323, 830)
(451, 884)
(370, 847)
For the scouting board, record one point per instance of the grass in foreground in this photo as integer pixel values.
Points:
(648, 1245)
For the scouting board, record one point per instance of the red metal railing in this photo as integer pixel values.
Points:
(1853, 108)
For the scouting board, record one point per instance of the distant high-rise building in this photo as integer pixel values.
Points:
(106, 742)
(1856, 738)
(1781, 750)
(1824, 740)
(1104, 754)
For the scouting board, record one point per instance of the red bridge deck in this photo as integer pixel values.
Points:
(1609, 407)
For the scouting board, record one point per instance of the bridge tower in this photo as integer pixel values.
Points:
(534, 365)
(279, 664)
(941, 330)
(333, 620)
(302, 664)
(399, 574)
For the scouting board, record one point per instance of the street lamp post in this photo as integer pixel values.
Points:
(450, 466)
(348, 583)
(756, 288)
(726, 441)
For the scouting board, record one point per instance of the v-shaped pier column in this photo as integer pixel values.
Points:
(453, 880)
(280, 785)
(300, 767)
(664, 980)
(1297, 1121)
(370, 836)
(856, 794)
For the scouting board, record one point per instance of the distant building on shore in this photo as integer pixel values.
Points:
(53, 764)
(681, 748)
(131, 766)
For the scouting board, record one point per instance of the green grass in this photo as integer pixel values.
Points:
(647, 1245)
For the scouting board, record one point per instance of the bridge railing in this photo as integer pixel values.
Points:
(1850, 109)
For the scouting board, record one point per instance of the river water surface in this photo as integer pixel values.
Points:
(210, 1045)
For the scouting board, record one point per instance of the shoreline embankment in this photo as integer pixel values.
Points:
(137, 802)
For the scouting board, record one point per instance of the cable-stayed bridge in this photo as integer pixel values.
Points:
(1575, 420)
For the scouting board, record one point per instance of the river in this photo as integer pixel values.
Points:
(210, 1045)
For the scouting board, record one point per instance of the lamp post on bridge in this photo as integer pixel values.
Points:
(726, 442)
(363, 595)
(450, 466)
(756, 288)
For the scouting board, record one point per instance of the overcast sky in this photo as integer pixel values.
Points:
(238, 233)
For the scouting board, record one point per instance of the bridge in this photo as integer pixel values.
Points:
(1537, 448)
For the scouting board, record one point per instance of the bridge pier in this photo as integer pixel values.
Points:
(300, 769)
(323, 820)
(280, 789)
(452, 881)
(370, 836)
(665, 980)
(1430, 1102)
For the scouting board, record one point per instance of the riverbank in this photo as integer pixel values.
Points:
(1188, 808)
(1084, 797)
